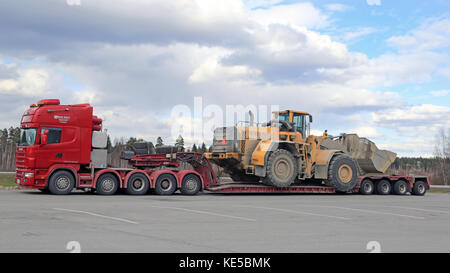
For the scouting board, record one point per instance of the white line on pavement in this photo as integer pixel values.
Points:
(297, 212)
(98, 215)
(376, 212)
(206, 212)
(428, 210)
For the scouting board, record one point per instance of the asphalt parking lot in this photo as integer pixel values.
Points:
(31, 221)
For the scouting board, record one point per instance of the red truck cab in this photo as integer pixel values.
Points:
(53, 136)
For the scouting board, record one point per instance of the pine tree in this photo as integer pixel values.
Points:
(159, 142)
(180, 143)
(203, 148)
(194, 148)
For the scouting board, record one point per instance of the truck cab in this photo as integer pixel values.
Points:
(54, 136)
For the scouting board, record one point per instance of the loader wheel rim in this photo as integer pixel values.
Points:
(345, 173)
(282, 169)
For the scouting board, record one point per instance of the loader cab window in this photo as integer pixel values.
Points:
(54, 134)
(298, 122)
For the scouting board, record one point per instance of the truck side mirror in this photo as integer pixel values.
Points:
(44, 136)
(310, 119)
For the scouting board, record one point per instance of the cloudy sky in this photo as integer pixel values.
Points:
(375, 67)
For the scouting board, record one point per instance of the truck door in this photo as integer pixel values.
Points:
(61, 147)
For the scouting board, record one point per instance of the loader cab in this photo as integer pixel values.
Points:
(300, 121)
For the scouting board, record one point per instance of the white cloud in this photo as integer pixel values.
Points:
(337, 7)
(440, 93)
(432, 34)
(367, 132)
(373, 2)
(294, 15)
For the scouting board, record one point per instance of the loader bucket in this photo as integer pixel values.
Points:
(369, 158)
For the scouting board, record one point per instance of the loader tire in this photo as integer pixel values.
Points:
(282, 169)
(342, 173)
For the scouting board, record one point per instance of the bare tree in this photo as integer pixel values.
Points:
(442, 154)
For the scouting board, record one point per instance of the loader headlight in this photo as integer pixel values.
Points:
(28, 175)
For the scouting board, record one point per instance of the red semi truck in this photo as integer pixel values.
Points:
(63, 147)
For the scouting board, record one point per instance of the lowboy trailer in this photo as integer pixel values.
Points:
(62, 147)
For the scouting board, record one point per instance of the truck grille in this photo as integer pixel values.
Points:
(20, 158)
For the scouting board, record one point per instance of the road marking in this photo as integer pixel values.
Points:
(206, 212)
(297, 212)
(429, 210)
(376, 212)
(98, 215)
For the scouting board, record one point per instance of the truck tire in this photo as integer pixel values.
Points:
(61, 182)
(342, 173)
(191, 185)
(165, 184)
(107, 184)
(384, 187)
(420, 188)
(137, 184)
(282, 169)
(366, 187)
(400, 187)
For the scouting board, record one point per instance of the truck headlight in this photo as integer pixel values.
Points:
(28, 175)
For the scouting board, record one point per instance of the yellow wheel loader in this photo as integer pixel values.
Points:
(282, 152)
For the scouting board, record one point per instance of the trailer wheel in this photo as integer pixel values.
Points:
(342, 173)
(137, 184)
(366, 187)
(166, 184)
(190, 185)
(420, 188)
(61, 182)
(281, 169)
(384, 187)
(400, 187)
(107, 184)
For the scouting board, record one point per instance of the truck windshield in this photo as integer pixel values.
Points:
(27, 137)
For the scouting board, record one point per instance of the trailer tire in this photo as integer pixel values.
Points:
(384, 187)
(191, 184)
(137, 184)
(107, 184)
(400, 187)
(420, 188)
(366, 187)
(166, 184)
(61, 182)
(342, 173)
(282, 169)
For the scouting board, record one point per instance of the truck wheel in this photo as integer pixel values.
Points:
(384, 187)
(190, 185)
(366, 187)
(137, 184)
(61, 182)
(107, 184)
(342, 173)
(281, 169)
(400, 187)
(420, 188)
(166, 184)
